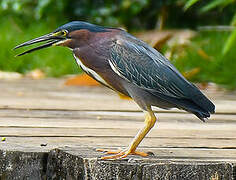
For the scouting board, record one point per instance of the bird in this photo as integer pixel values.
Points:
(130, 67)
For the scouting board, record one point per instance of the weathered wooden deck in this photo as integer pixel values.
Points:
(41, 115)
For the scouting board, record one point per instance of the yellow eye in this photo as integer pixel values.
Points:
(64, 32)
(60, 33)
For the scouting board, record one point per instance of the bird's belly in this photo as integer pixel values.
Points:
(90, 71)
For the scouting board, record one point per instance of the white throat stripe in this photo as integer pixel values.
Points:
(90, 71)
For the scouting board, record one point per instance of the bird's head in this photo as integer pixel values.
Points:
(70, 35)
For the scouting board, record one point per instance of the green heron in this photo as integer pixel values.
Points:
(130, 67)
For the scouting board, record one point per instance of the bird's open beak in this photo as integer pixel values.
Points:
(54, 38)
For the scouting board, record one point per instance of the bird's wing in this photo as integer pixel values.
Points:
(147, 68)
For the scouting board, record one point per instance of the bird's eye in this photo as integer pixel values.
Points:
(64, 32)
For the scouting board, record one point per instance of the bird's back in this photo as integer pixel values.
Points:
(144, 66)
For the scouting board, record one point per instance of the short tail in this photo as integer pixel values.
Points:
(199, 104)
(207, 107)
(201, 100)
(201, 112)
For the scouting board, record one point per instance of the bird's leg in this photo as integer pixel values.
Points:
(150, 120)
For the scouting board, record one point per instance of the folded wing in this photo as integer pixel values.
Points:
(142, 65)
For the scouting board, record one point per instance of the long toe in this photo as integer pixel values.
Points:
(139, 153)
(124, 154)
(115, 156)
(108, 151)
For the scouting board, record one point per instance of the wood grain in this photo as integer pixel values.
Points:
(35, 112)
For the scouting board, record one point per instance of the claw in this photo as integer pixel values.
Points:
(120, 154)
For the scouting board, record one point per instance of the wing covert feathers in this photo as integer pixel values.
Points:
(145, 67)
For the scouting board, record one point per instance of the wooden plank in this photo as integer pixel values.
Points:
(52, 94)
(108, 115)
(124, 123)
(85, 103)
(119, 136)
(116, 131)
(202, 130)
(47, 112)
(161, 151)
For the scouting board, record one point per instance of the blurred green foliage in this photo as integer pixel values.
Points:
(131, 14)
(220, 4)
(21, 20)
(214, 66)
(53, 61)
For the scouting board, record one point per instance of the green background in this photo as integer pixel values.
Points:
(22, 20)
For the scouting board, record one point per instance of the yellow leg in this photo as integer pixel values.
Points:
(150, 120)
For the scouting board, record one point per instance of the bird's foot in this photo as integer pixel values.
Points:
(120, 154)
